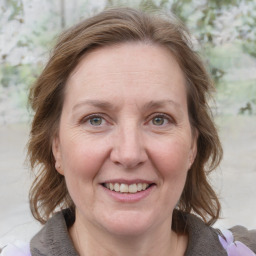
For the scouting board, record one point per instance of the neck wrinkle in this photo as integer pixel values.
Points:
(87, 242)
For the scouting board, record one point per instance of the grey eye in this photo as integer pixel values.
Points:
(95, 121)
(158, 120)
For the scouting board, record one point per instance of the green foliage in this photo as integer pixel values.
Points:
(218, 26)
(20, 76)
(152, 5)
(16, 7)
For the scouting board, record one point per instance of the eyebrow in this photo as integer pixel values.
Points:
(102, 104)
(161, 103)
(95, 103)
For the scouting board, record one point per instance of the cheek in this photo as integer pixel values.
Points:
(172, 157)
(81, 165)
(81, 162)
(81, 156)
(170, 160)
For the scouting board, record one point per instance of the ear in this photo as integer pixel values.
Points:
(193, 150)
(57, 154)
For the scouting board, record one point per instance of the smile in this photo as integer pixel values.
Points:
(125, 188)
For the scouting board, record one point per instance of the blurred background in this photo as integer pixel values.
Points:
(224, 33)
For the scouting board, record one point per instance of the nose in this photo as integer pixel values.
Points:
(128, 147)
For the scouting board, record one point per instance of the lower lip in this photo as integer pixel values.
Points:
(129, 197)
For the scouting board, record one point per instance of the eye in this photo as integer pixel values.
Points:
(96, 120)
(159, 120)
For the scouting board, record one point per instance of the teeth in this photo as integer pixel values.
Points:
(116, 187)
(124, 188)
(139, 187)
(133, 188)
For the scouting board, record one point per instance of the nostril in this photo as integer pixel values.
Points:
(128, 163)
(128, 149)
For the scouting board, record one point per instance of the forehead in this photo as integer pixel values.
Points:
(129, 70)
(130, 56)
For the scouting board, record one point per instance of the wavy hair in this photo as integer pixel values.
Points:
(114, 26)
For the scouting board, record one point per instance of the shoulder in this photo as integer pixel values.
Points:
(239, 241)
(202, 238)
(245, 236)
(18, 248)
(53, 238)
(205, 240)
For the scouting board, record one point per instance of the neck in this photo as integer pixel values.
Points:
(90, 240)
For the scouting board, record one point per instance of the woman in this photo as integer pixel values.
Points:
(123, 140)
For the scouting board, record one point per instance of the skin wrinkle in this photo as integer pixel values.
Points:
(113, 28)
(105, 105)
(112, 120)
(129, 148)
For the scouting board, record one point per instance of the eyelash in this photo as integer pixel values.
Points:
(90, 117)
(150, 119)
(161, 115)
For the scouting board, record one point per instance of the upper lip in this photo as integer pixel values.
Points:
(128, 182)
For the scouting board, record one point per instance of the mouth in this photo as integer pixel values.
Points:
(125, 188)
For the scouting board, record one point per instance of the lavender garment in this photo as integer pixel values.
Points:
(234, 248)
(18, 248)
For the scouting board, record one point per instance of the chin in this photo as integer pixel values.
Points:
(127, 223)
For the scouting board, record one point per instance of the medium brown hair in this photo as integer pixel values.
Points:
(119, 25)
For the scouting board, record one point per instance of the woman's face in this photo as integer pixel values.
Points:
(125, 143)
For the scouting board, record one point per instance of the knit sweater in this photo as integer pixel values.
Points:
(54, 239)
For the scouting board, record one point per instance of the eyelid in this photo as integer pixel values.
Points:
(150, 117)
(88, 117)
(163, 115)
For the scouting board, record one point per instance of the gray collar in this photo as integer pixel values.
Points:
(53, 239)
(203, 240)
